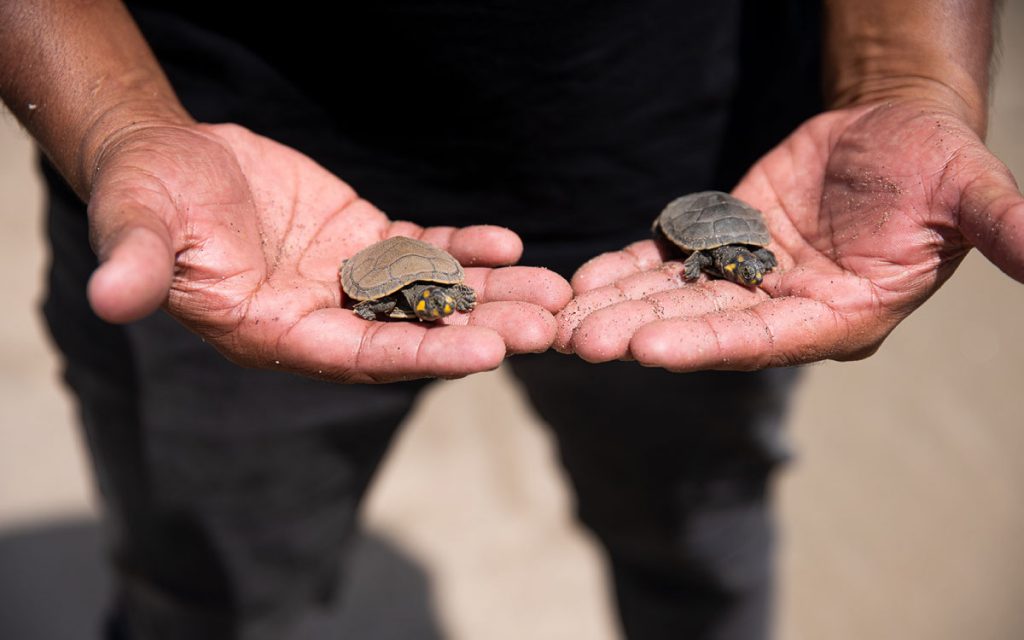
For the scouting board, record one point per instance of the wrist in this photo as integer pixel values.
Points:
(937, 51)
(77, 74)
(109, 128)
(968, 106)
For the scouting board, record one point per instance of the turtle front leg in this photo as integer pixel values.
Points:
(697, 262)
(465, 297)
(368, 309)
(767, 258)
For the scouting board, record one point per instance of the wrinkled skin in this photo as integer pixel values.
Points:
(240, 238)
(871, 210)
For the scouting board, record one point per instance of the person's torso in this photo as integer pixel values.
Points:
(552, 117)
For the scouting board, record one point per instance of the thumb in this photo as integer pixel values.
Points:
(136, 265)
(992, 219)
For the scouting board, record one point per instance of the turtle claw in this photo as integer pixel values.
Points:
(767, 258)
(368, 309)
(363, 311)
(465, 297)
(693, 265)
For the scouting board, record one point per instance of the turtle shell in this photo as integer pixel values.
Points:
(386, 266)
(710, 219)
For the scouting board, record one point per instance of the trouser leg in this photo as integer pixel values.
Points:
(672, 474)
(229, 493)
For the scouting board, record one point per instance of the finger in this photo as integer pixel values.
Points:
(535, 285)
(485, 245)
(776, 332)
(992, 218)
(632, 287)
(335, 344)
(137, 265)
(611, 267)
(606, 333)
(525, 328)
(410, 230)
(476, 245)
(517, 303)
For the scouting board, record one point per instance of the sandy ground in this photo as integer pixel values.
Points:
(901, 517)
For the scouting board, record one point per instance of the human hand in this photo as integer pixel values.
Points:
(871, 209)
(240, 239)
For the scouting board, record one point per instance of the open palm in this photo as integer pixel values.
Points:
(240, 239)
(870, 209)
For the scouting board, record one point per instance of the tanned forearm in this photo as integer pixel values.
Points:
(77, 73)
(879, 50)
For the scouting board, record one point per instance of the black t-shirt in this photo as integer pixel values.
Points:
(558, 118)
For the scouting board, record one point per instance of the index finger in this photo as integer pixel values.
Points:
(607, 268)
(481, 245)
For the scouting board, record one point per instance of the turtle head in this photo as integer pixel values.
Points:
(745, 268)
(433, 303)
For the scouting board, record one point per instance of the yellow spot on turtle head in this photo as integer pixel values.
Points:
(730, 267)
(426, 293)
(447, 309)
(740, 258)
(421, 305)
(435, 313)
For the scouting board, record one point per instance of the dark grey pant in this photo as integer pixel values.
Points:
(231, 494)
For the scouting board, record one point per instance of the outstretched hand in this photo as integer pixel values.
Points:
(871, 210)
(240, 239)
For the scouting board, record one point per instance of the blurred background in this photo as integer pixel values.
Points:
(901, 517)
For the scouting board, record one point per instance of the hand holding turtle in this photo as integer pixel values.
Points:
(240, 238)
(870, 208)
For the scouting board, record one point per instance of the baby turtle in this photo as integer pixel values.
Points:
(723, 236)
(405, 278)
